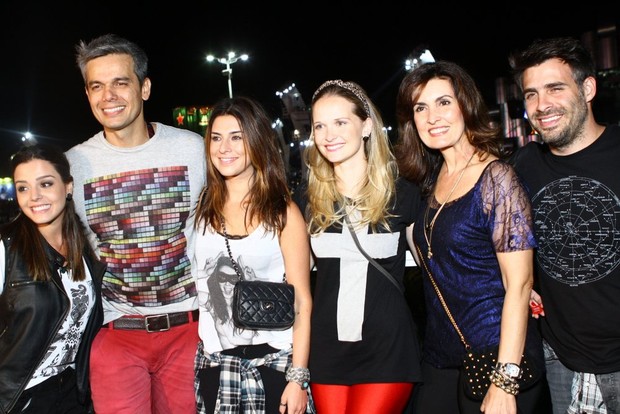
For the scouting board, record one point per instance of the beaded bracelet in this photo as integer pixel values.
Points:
(504, 382)
(299, 375)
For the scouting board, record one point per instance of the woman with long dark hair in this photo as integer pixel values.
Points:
(474, 241)
(50, 291)
(249, 228)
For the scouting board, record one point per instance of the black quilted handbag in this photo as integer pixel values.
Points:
(263, 305)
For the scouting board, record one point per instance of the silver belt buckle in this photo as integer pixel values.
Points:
(157, 320)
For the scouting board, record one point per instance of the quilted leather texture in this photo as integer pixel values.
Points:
(263, 305)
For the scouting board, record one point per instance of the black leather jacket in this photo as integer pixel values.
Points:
(31, 313)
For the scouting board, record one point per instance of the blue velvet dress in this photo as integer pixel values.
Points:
(493, 217)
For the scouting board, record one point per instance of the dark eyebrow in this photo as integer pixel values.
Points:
(444, 97)
(546, 86)
(43, 177)
(123, 78)
(554, 84)
(222, 134)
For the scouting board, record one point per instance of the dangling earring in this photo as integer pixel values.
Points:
(69, 197)
(365, 139)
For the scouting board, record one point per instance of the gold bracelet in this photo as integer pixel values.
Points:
(506, 383)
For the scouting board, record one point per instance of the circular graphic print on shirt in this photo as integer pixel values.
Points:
(577, 222)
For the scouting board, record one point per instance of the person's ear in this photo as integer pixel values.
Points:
(69, 189)
(146, 89)
(589, 88)
(367, 127)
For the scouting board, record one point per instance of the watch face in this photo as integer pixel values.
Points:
(512, 370)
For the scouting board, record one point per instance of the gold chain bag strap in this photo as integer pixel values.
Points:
(479, 365)
(261, 305)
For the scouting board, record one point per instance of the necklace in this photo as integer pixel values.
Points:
(428, 228)
(226, 237)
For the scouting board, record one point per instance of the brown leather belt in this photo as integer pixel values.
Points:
(154, 323)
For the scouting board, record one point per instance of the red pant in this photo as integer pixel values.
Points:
(136, 372)
(376, 398)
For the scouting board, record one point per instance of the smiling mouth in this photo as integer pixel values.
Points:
(548, 118)
(113, 110)
(333, 147)
(39, 208)
(438, 131)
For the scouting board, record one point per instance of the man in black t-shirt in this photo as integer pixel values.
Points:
(573, 181)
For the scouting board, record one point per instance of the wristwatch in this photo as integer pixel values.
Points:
(509, 369)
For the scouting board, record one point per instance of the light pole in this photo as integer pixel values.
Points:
(228, 61)
(28, 139)
(417, 58)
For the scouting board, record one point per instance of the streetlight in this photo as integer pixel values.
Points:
(228, 61)
(28, 139)
(417, 58)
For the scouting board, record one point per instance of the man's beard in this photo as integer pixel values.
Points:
(564, 137)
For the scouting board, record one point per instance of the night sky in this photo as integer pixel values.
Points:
(304, 43)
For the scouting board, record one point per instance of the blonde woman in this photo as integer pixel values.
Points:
(364, 351)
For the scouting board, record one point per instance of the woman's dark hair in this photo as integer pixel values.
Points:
(269, 194)
(216, 297)
(26, 237)
(416, 161)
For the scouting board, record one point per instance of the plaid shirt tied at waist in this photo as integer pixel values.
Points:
(241, 384)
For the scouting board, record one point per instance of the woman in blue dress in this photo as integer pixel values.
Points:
(474, 237)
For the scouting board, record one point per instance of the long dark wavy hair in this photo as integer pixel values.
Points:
(269, 193)
(26, 237)
(416, 161)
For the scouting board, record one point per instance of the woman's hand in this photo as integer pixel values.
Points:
(498, 401)
(294, 399)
